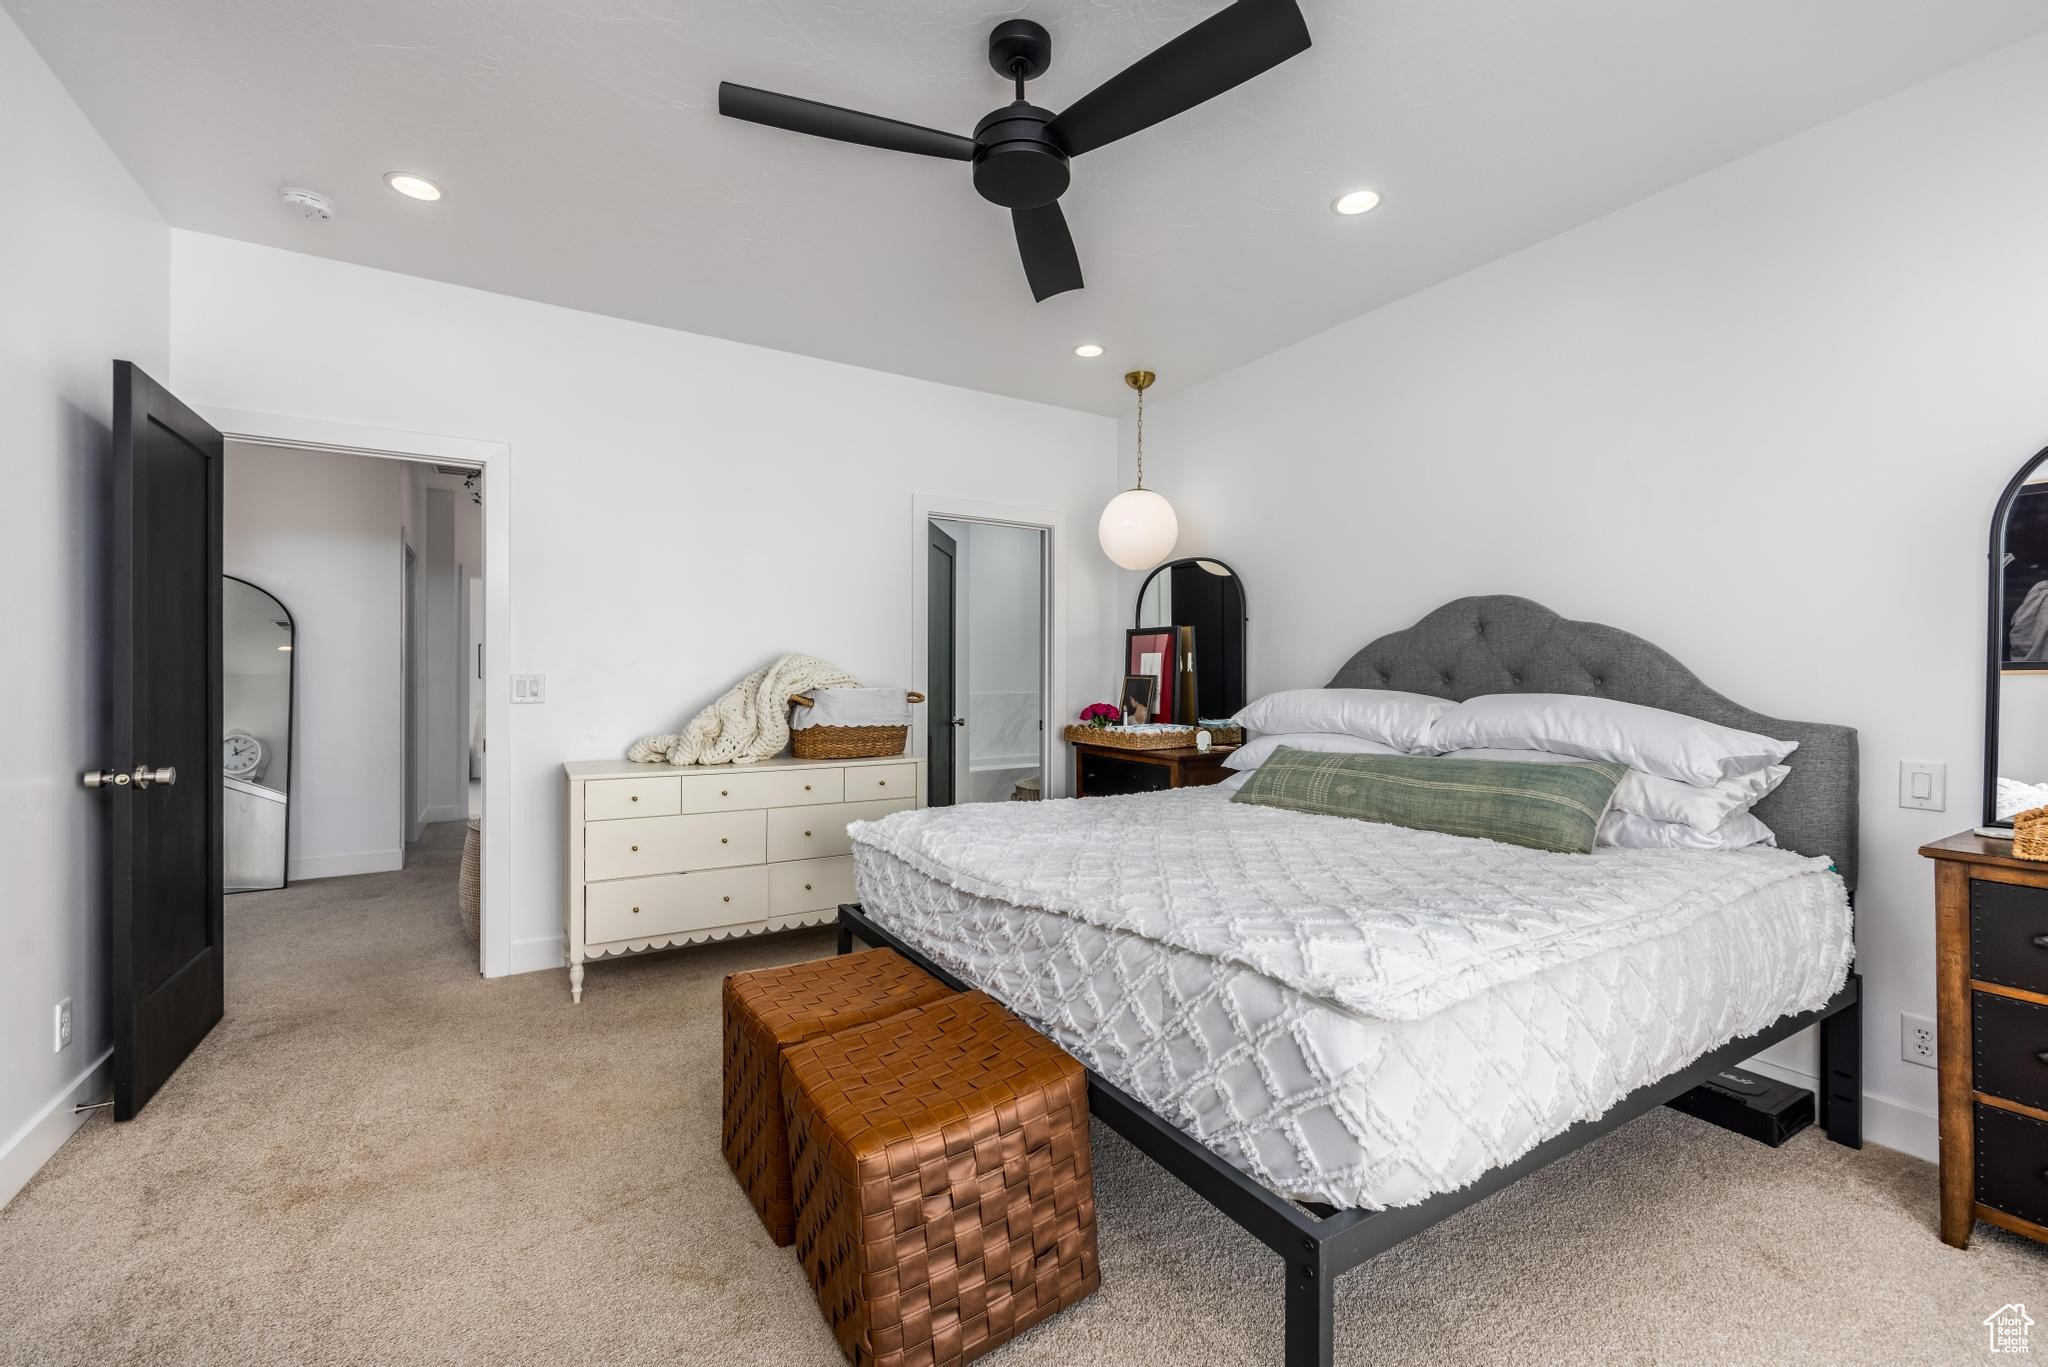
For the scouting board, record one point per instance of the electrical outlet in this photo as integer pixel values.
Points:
(62, 1037)
(529, 688)
(1916, 1040)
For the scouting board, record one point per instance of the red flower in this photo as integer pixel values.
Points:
(1102, 714)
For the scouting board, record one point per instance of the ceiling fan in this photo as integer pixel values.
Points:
(1020, 152)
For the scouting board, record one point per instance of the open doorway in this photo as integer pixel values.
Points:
(986, 600)
(376, 562)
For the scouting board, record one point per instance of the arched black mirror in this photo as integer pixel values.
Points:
(1207, 595)
(2016, 695)
(256, 741)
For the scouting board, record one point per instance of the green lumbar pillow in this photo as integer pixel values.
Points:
(1543, 806)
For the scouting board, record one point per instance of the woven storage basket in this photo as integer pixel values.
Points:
(1176, 738)
(469, 886)
(2030, 834)
(848, 742)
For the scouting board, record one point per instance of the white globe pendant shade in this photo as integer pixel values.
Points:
(1138, 529)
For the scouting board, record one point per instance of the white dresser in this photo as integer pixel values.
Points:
(665, 856)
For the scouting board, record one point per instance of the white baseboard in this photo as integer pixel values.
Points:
(36, 1142)
(305, 866)
(1893, 1124)
(531, 956)
(445, 811)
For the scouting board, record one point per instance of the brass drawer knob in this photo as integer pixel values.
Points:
(807, 835)
(723, 841)
(807, 787)
(723, 793)
(728, 899)
(634, 798)
(636, 849)
(807, 888)
(636, 911)
(881, 783)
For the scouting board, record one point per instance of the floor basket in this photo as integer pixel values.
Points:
(848, 742)
(469, 889)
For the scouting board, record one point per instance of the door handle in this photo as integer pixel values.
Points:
(144, 776)
(958, 721)
(104, 778)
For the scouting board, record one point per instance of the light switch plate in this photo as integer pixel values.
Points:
(529, 688)
(1923, 786)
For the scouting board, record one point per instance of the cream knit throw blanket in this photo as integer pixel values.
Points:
(750, 722)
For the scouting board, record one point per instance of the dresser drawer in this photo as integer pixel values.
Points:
(609, 799)
(2009, 935)
(814, 832)
(809, 885)
(2009, 1046)
(673, 844)
(2012, 1163)
(739, 788)
(642, 908)
(870, 781)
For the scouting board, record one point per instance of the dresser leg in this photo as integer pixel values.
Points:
(575, 980)
(1841, 1072)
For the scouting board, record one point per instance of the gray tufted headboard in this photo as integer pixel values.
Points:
(1501, 644)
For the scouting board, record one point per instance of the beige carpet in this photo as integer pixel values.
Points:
(381, 1158)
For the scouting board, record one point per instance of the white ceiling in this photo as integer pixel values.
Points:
(585, 164)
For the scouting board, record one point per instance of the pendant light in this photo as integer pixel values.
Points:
(1138, 527)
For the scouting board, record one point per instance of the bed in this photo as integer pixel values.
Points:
(1336, 1081)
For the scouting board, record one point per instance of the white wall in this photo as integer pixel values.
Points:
(83, 269)
(320, 532)
(682, 509)
(1761, 419)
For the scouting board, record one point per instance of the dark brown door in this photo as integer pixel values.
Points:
(942, 569)
(164, 784)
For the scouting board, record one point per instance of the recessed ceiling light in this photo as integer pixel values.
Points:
(1087, 351)
(1357, 202)
(411, 186)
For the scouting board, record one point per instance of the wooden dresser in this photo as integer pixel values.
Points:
(1991, 967)
(1111, 770)
(664, 856)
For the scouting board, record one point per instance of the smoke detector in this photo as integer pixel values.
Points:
(308, 204)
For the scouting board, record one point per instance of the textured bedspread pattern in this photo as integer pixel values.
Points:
(1354, 1013)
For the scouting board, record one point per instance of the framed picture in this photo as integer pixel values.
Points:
(1140, 695)
(1151, 652)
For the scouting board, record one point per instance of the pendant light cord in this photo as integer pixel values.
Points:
(1141, 439)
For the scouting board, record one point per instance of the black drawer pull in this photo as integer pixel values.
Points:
(2041, 942)
(2042, 1056)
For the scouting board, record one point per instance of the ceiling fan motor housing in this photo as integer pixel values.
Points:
(1017, 161)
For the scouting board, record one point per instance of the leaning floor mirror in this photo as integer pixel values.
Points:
(256, 718)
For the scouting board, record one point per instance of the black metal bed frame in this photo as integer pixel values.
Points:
(1317, 1243)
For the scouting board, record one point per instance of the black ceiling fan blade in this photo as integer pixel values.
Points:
(1223, 51)
(1050, 263)
(841, 125)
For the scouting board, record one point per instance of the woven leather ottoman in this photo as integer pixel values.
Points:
(945, 1195)
(770, 1009)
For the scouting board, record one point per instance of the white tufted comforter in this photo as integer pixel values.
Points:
(1354, 1013)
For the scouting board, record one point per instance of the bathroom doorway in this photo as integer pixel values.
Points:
(986, 600)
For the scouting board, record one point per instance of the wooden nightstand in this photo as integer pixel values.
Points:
(1111, 770)
(1991, 982)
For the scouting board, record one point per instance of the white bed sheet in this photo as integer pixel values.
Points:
(1327, 1102)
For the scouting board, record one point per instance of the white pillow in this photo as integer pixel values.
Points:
(1401, 720)
(1253, 753)
(1666, 799)
(1233, 783)
(1627, 831)
(1667, 744)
